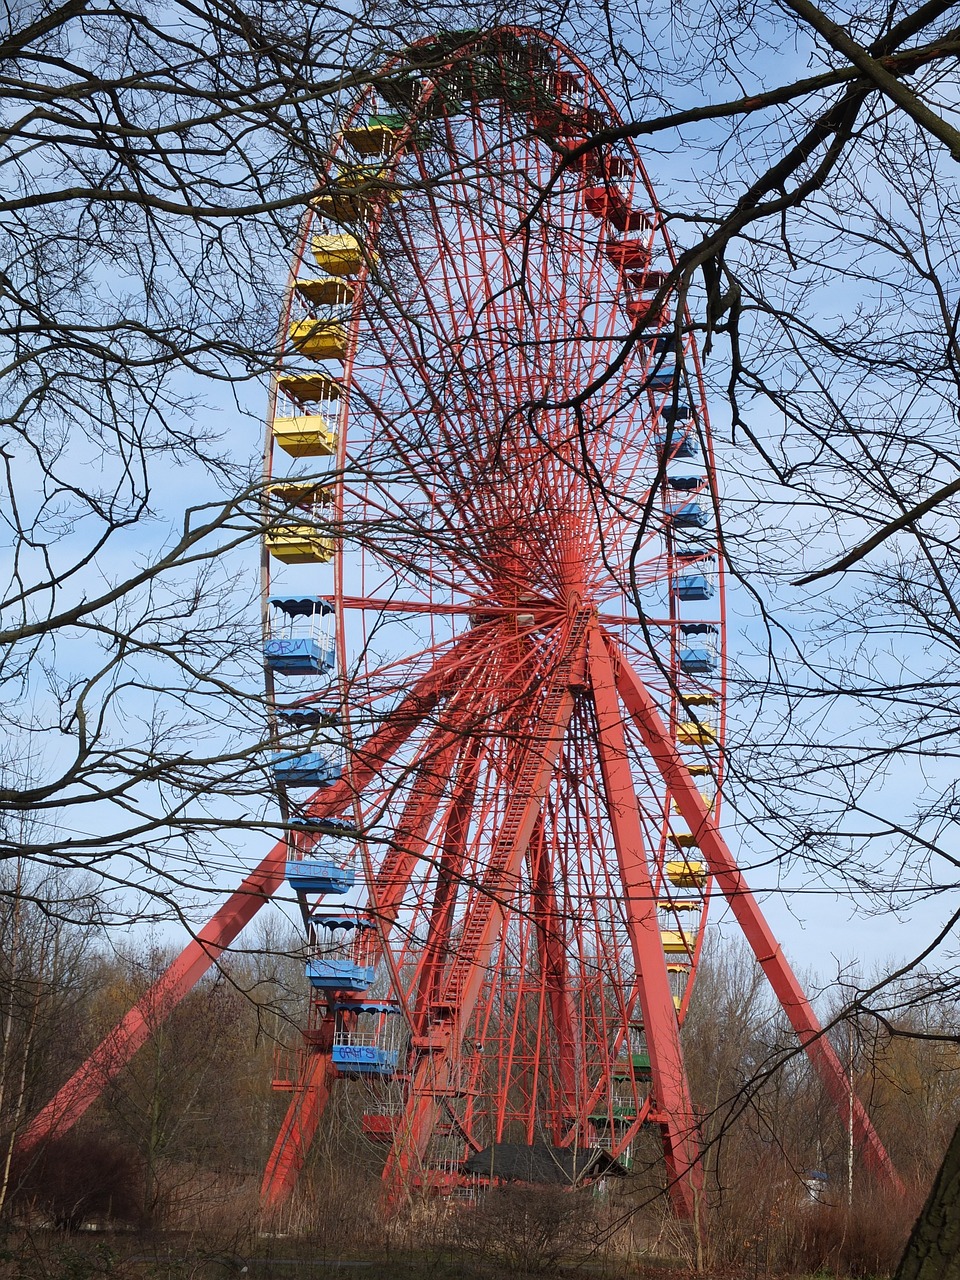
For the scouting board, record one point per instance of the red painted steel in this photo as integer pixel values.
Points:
(293, 1142)
(671, 1092)
(311, 1092)
(499, 506)
(108, 1059)
(458, 993)
(503, 474)
(510, 465)
(436, 949)
(112, 1054)
(746, 910)
(557, 990)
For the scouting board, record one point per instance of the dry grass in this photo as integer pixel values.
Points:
(866, 1240)
(757, 1227)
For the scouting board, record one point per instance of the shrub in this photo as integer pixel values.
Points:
(529, 1229)
(73, 1179)
(866, 1240)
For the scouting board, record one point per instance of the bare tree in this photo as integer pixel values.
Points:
(814, 196)
(156, 163)
(817, 248)
(46, 980)
(157, 159)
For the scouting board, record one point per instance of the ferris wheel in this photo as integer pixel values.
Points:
(522, 498)
(494, 643)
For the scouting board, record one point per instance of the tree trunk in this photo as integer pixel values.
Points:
(933, 1250)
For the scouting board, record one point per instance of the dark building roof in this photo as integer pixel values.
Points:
(542, 1164)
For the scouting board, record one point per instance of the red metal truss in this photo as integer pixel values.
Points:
(505, 463)
(670, 1090)
(106, 1061)
(511, 463)
(558, 988)
(457, 994)
(311, 1091)
(746, 910)
(449, 749)
(314, 1081)
(436, 948)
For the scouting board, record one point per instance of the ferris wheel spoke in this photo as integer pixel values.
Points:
(383, 604)
(461, 985)
(422, 401)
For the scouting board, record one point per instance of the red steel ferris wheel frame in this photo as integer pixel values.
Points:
(586, 676)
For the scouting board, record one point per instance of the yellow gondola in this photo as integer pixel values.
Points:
(690, 733)
(700, 699)
(371, 139)
(338, 255)
(687, 875)
(299, 544)
(683, 839)
(304, 435)
(319, 339)
(293, 540)
(677, 941)
(332, 291)
(704, 796)
(308, 388)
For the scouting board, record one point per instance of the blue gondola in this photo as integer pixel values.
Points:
(338, 827)
(301, 644)
(693, 586)
(366, 1052)
(319, 875)
(662, 380)
(660, 345)
(309, 869)
(677, 446)
(344, 963)
(311, 769)
(299, 656)
(676, 413)
(685, 512)
(698, 653)
(695, 581)
(364, 1060)
(327, 973)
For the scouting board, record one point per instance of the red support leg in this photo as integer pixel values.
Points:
(112, 1054)
(680, 1143)
(552, 951)
(412, 834)
(311, 1093)
(745, 908)
(449, 874)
